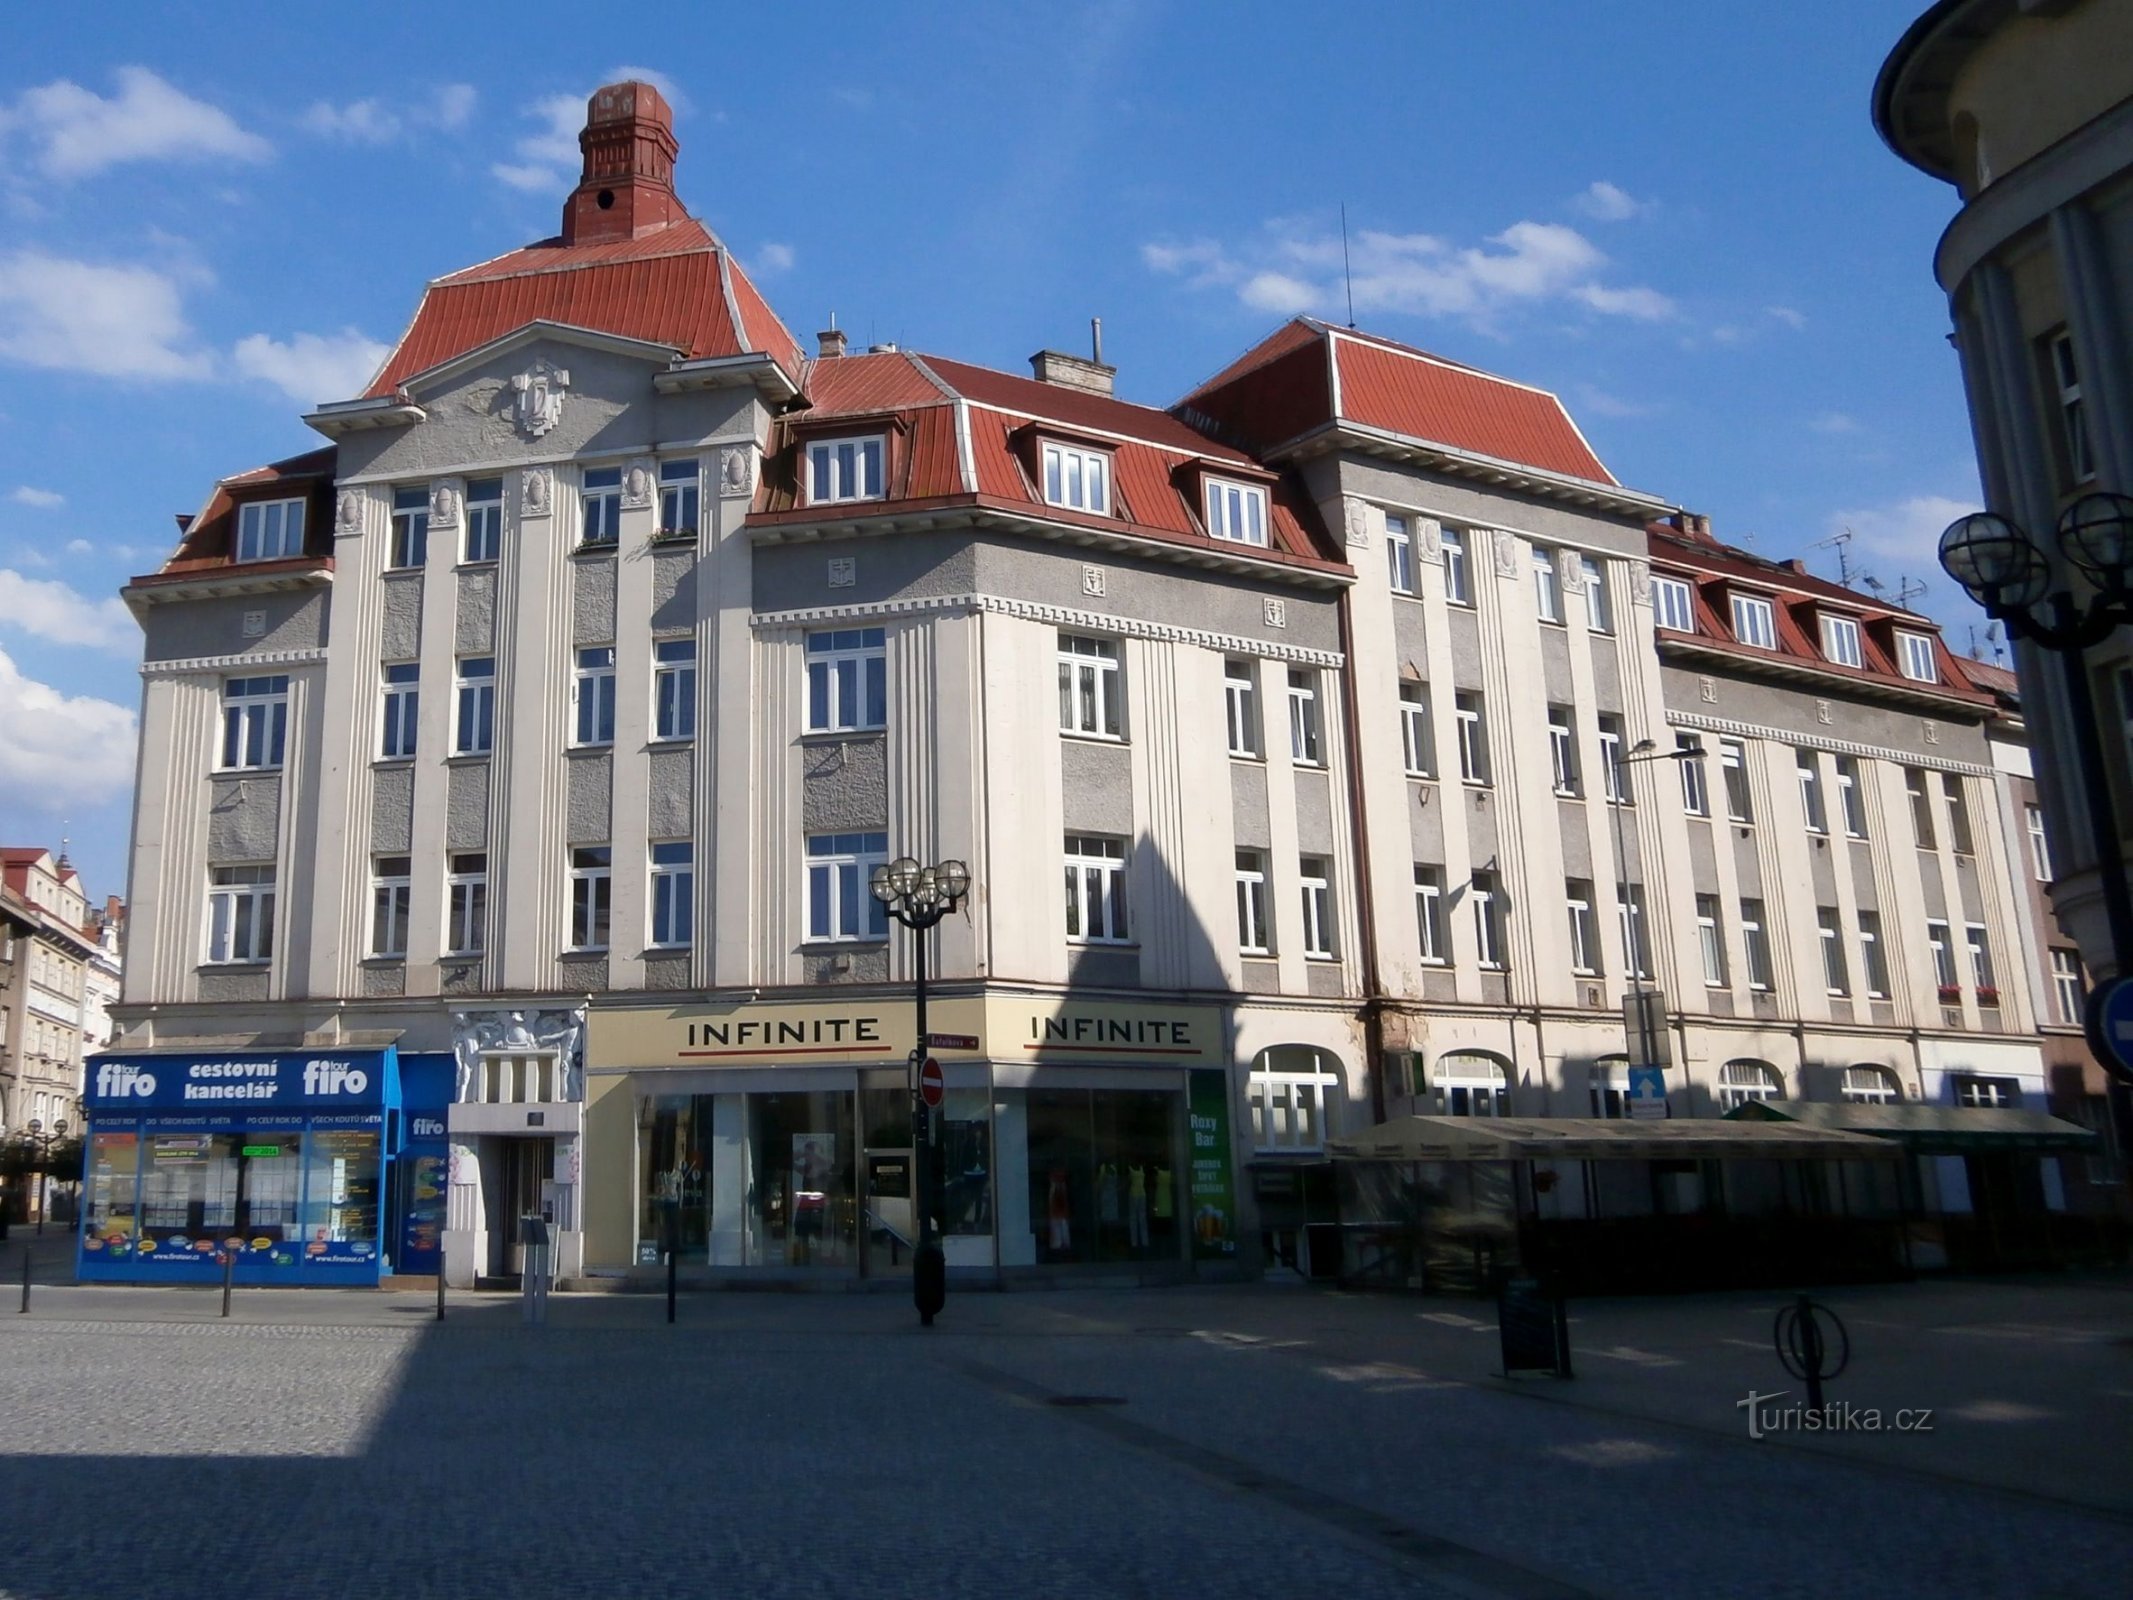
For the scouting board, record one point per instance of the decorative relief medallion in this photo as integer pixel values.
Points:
(535, 492)
(736, 470)
(444, 506)
(1277, 613)
(637, 485)
(255, 624)
(348, 512)
(1092, 580)
(1640, 582)
(1708, 688)
(1506, 555)
(1429, 539)
(1358, 523)
(1932, 732)
(1822, 713)
(843, 571)
(540, 392)
(1570, 571)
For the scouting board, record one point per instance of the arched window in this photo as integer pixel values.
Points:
(1871, 1086)
(1609, 1081)
(1742, 1081)
(1470, 1084)
(1295, 1090)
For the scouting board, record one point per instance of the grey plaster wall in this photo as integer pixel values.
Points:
(584, 974)
(382, 979)
(215, 627)
(1425, 824)
(1459, 502)
(1410, 633)
(459, 977)
(1261, 977)
(1966, 885)
(666, 972)
(895, 566)
(1555, 664)
(1607, 667)
(591, 787)
(673, 589)
(1480, 824)
(1865, 886)
(672, 809)
(403, 617)
(592, 599)
(1097, 787)
(239, 986)
(392, 810)
(1577, 843)
(1747, 862)
(1464, 630)
(1824, 872)
(474, 630)
(1793, 711)
(243, 818)
(1323, 979)
(1703, 858)
(466, 805)
(1314, 812)
(844, 785)
(1108, 969)
(1247, 800)
(846, 966)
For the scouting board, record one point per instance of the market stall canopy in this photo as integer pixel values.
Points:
(1602, 1139)
(1924, 1129)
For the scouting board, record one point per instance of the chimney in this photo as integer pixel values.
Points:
(1072, 372)
(627, 188)
(829, 343)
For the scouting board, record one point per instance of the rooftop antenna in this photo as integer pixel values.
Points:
(1096, 340)
(1905, 589)
(1347, 272)
(1842, 543)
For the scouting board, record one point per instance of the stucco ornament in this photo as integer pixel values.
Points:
(533, 488)
(1276, 613)
(1429, 539)
(1358, 523)
(483, 1033)
(843, 571)
(444, 506)
(1506, 555)
(540, 392)
(1570, 571)
(736, 470)
(1640, 582)
(637, 485)
(1823, 713)
(348, 512)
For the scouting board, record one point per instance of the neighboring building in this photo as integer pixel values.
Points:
(102, 983)
(49, 948)
(2026, 106)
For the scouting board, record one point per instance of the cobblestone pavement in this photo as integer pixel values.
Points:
(1226, 1442)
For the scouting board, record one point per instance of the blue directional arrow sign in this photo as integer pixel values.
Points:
(2110, 1026)
(1647, 1092)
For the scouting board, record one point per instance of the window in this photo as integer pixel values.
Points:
(1914, 654)
(485, 520)
(1399, 555)
(2067, 988)
(1958, 815)
(603, 506)
(1607, 1081)
(1672, 605)
(1289, 1109)
(1471, 1086)
(1317, 908)
(466, 925)
(1088, 686)
(840, 899)
(1584, 935)
(1988, 988)
(1488, 921)
(2040, 853)
(1303, 717)
(844, 469)
(1457, 589)
(1078, 479)
(1733, 764)
(1811, 790)
(848, 680)
(1755, 943)
(1255, 935)
(391, 883)
(1914, 785)
(1840, 641)
(1943, 953)
(1834, 971)
(1711, 941)
(1547, 587)
(1236, 511)
(1742, 1081)
(1695, 786)
(674, 688)
(1754, 622)
(270, 530)
(1429, 915)
(1095, 889)
(2079, 460)
(1599, 614)
(255, 722)
(240, 914)
(1563, 750)
(1991, 1093)
(1636, 929)
(680, 497)
(1873, 959)
(403, 698)
(1418, 741)
(411, 527)
(593, 693)
(674, 893)
(1870, 1086)
(1240, 688)
(1851, 803)
(591, 896)
(1613, 777)
(474, 730)
(1473, 736)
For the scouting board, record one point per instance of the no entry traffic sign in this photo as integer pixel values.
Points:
(931, 1084)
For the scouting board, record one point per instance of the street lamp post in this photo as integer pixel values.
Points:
(2004, 570)
(41, 1147)
(1635, 918)
(919, 897)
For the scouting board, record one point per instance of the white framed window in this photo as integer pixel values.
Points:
(674, 893)
(1240, 691)
(601, 523)
(2080, 459)
(1672, 605)
(1607, 1082)
(592, 693)
(1959, 835)
(1739, 1082)
(1290, 1109)
(1695, 783)
(1255, 930)
(1305, 745)
(1488, 922)
(1914, 785)
(270, 530)
(1471, 1085)
(1733, 766)
(1317, 878)
(1547, 585)
(673, 688)
(1754, 621)
(1614, 777)
(1096, 889)
(840, 900)
(255, 722)
(1584, 932)
(466, 922)
(240, 914)
(680, 497)
(1636, 936)
(1599, 611)
(1840, 641)
(2068, 991)
(1418, 741)
(1755, 944)
(592, 896)
(1563, 751)
(1089, 699)
(1458, 585)
(402, 701)
(1429, 915)
(1811, 790)
(1711, 941)
(1942, 950)
(1077, 479)
(1236, 511)
(411, 526)
(485, 520)
(2040, 851)
(1467, 709)
(1836, 973)
(1873, 960)
(848, 679)
(1998, 1094)
(1915, 657)
(844, 469)
(391, 886)
(474, 710)
(1870, 1086)
(1851, 798)
(1399, 555)
(1981, 974)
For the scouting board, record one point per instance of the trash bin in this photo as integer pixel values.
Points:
(1322, 1247)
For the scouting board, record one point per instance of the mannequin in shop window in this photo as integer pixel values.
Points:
(1137, 1208)
(1059, 1210)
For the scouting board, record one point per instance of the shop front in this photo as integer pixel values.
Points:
(279, 1157)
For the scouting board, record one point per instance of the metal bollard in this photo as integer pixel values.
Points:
(672, 1255)
(25, 1279)
(440, 1291)
(229, 1273)
(1802, 1350)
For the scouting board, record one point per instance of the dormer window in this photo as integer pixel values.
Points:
(1079, 480)
(1236, 511)
(1840, 641)
(844, 469)
(1914, 654)
(1754, 621)
(270, 530)
(1671, 607)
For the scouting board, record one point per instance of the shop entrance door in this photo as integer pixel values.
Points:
(890, 1220)
(526, 1163)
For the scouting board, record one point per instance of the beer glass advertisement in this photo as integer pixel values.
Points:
(1214, 1196)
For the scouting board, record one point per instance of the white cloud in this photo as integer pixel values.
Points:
(452, 107)
(91, 741)
(1792, 319)
(80, 547)
(1900, 539)
(1603, 202)
(1602, 404)
(372, 121)
(78, 316)
(79, 133)
(42, 499)
(773, 258)
(1833, 422)
(548, 158)
(47, 609)
(312, 368)
(1645, 305)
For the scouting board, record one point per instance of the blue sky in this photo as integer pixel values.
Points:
(1677, 217)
